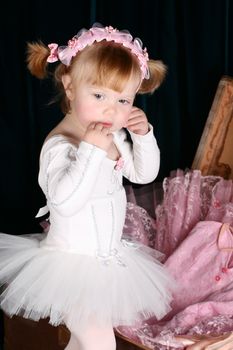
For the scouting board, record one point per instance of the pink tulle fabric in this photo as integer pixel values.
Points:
(185, 226)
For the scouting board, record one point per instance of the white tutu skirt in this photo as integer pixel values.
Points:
(72, 288)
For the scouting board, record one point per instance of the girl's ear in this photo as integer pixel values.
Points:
(68, 87)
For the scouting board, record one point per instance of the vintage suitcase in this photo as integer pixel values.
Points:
(214, 155)
(23, 334)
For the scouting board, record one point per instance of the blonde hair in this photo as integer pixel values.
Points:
(104, 63)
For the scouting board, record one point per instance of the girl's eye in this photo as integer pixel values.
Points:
(98, 96)
(124, 102)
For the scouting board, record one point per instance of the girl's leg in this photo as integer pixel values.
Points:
(97, 338)
(73, 343)
(92, 338)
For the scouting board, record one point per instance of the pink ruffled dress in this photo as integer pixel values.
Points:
(193, 228)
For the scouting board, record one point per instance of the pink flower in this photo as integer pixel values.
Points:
(53, 57)
(216, 204)
(72, 43)
(119, 164)
(45, 224)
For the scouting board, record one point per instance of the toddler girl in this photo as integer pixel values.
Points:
(83, 273)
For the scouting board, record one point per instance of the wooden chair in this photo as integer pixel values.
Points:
(214, 156)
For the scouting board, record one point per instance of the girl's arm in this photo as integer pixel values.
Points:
(142, 158)
(67, 175)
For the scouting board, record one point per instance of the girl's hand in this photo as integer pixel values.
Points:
(137, 122)
(98, 135)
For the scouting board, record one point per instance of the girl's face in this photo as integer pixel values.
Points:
(90, 103)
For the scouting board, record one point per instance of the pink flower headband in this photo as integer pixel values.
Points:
(96, 33)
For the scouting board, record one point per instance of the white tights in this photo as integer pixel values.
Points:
(92, 338)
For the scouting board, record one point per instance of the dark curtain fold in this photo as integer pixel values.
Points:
(193, 38)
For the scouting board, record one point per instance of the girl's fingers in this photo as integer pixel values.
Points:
(99, 126)
(139, 128)
(136, 112)
(135, 115)
(136, 109)
(137, 120)
(106, 131)
(91, 126)
(136, 126)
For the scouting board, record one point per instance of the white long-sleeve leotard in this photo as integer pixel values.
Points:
(84, 191)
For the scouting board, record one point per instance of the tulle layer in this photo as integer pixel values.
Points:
(72, 288)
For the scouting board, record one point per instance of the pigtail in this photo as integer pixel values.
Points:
(157, 73)
(37, 54)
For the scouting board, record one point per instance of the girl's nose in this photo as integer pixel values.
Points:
(110, 107)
